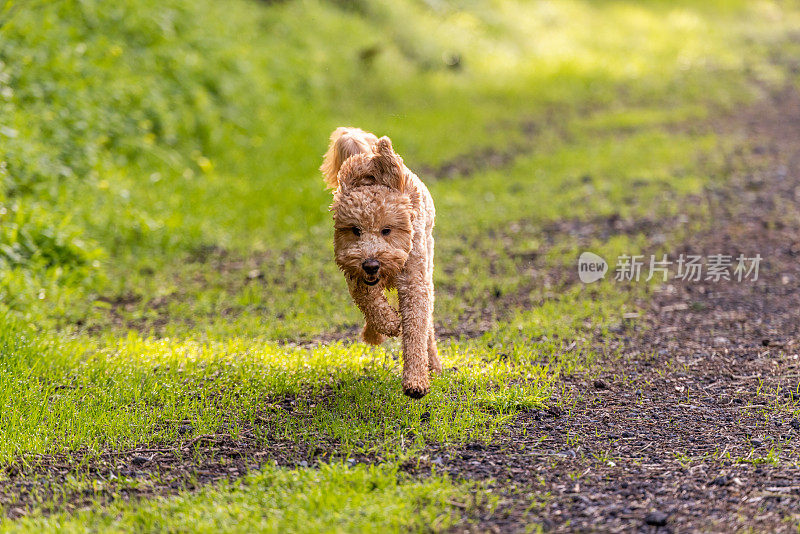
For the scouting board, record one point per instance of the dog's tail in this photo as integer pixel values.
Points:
(345, 142)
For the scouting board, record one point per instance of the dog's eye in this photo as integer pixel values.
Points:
(386, 231)
(357, 230)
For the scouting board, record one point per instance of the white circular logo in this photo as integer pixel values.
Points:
(591, 267)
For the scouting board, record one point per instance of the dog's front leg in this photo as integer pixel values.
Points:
(380, 318)
(415, 314)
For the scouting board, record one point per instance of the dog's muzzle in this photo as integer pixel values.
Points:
(371, 268)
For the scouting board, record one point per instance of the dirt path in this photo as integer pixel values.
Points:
(693, 428)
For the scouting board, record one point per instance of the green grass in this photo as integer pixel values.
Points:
(163, 225)
(333, 498)
(63, 394)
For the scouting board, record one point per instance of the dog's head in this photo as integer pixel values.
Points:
(372, 215)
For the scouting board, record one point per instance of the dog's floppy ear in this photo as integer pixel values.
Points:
(388, 166)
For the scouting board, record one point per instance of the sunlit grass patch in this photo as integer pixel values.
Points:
(83, 393)
(70, 394)
(333, 498)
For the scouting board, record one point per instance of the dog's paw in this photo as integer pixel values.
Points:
(416, 393)
(393, 326)
(416, 387)
(387, 324)
(372, 336)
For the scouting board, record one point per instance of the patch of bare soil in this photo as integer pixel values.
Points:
(694, 427)
(75, 480)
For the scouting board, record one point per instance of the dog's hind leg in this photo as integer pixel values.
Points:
(434, 363)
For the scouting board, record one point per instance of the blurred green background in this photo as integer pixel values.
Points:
(143, 140)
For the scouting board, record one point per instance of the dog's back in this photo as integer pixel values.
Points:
(345, 142)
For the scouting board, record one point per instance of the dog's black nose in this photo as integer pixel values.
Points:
(371, 266)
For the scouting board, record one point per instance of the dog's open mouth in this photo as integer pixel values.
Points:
(371, 280)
